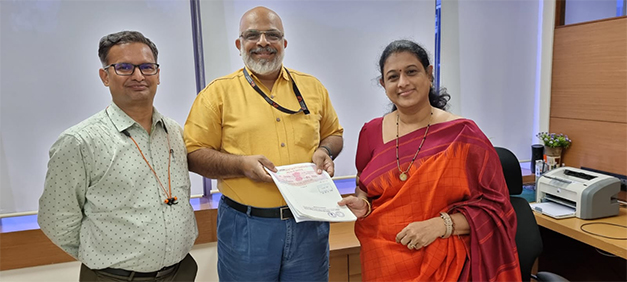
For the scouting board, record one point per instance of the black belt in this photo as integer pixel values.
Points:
(283, 212)
(156, 274)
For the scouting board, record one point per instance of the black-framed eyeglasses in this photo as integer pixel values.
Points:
(255, 35)
(127, 69)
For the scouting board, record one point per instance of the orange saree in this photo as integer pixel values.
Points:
(457, 170)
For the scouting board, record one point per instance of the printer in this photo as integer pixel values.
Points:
(591, 194)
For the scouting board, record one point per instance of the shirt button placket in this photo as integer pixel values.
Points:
(278, 119)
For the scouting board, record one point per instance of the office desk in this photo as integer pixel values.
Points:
(571, 227)
(25, 245)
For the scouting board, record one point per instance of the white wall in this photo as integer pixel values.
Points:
(49, 77)
(578, 11)
(351, 77)
(206, 257)
(490, 64)
(493, 64)
(339, 42)
(545, 65)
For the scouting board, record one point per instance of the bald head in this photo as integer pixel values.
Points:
(261, 42)
(258, 17)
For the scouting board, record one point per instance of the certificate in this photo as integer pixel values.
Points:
(310, 196)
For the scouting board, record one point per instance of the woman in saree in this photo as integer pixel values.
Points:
(431, 196)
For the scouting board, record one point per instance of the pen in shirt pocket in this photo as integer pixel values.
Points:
(172, 153)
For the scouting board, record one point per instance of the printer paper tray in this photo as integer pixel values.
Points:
(554, 210)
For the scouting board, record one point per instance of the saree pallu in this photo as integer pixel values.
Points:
(457, 170)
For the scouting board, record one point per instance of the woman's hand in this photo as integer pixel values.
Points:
(420, 234)
(358, 206)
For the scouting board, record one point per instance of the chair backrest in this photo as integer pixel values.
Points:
(511, 170)
(528, 239)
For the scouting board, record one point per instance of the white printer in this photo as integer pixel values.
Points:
(591, 194)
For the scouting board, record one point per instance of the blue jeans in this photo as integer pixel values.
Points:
(270, 249)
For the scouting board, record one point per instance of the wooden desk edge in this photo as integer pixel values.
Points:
(594, 241)
(32, 248)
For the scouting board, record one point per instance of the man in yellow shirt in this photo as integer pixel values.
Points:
(263, 115)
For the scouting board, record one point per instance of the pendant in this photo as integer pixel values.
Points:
(403, 176)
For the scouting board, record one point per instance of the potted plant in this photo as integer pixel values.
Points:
(553, 146)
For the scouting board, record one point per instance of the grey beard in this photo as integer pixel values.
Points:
(263, 66)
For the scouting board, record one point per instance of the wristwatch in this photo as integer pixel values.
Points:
(328, 151)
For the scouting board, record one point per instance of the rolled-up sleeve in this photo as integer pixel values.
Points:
(60, 206)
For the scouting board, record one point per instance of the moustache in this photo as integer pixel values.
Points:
(263, 49)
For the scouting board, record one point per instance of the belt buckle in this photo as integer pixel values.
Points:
(284, 209)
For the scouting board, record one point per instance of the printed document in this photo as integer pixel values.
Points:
(310, 196)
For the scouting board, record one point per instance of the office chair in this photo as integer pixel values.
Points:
(528, 239)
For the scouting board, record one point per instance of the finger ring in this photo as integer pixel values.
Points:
(411, 246)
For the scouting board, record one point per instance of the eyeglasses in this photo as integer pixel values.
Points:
(127, 69)
(255, 35)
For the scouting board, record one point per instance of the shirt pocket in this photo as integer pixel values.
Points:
(179, 172)
(306, 129)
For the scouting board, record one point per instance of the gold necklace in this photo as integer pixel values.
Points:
(403, 176)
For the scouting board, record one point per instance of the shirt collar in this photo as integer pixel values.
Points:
(122, 121)
(282, 73)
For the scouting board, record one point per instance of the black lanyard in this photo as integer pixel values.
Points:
(301, 101)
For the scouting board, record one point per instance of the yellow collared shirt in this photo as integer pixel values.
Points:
(231, 117)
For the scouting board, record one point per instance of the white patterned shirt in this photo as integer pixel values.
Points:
(104, 206)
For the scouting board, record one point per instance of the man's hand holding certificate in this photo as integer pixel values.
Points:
(310, 196)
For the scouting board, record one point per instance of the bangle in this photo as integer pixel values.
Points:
(448, 222)
(369, 207)
(328, 150)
